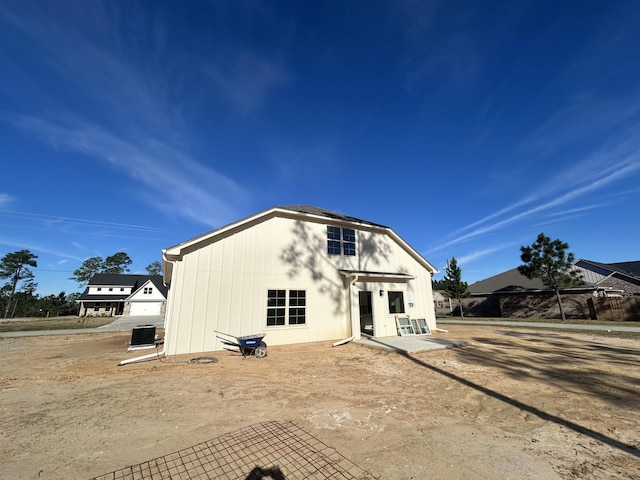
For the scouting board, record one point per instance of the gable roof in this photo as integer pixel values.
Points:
(121, 280)
(628, 268)
(321, 212)
(116, 279)
(511, 280)
(302, 212)
(627, 271)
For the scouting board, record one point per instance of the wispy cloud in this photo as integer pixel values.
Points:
(470, 257)
(577, 122)
(125, 113)
(5, 199)
(38, 248)
(616, 160)
(189, 189)
(82, 222)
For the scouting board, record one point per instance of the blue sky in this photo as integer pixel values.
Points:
(467, 126)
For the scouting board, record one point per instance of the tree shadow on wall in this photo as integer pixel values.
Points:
(308, 254)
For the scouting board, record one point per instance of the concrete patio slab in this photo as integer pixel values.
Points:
(410, 343)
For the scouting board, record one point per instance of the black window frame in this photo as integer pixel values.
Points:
(276, 307)
(341, 241)
(286, 307)
(392, 296)
(297, 307)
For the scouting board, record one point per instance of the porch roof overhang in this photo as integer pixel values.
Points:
(369, 275)
(102, 298)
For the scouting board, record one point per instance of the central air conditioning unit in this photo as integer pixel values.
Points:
(143, 336)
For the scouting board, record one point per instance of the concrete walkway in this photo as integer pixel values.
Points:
(561, 326)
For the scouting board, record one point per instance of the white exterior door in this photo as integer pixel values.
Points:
(145, 308)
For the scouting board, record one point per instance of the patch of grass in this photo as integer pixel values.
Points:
(54, 323)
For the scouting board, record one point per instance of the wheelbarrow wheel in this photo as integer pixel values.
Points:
(261, 350)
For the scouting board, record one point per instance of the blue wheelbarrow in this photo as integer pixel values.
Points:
(246, 345)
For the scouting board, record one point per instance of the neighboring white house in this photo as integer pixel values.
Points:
(121, 294)
(299, 274)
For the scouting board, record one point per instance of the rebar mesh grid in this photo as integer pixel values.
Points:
(270, 450)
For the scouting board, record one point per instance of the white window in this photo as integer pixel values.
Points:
(147, 291)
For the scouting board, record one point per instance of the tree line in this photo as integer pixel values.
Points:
(18, 297)
(118, 263)
(545, 259)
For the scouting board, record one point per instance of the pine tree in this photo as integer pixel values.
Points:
(454, 287)
(549, 261)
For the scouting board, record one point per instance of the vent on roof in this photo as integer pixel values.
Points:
(143, 336)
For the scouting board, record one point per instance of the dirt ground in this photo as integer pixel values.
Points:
(513, 404)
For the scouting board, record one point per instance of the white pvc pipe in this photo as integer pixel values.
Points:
(164, 344)
(144, 357)
(342, 342)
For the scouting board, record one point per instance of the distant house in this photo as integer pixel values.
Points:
(623, 277)
(510, 294)
(604, 278)
(509, 281)
(299, 274)
(123, 295)
(440, 300)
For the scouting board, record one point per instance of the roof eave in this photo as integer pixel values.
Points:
(175, 253)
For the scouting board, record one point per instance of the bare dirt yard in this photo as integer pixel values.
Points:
(513, 404)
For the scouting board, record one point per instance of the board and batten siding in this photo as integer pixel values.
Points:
(222, 283)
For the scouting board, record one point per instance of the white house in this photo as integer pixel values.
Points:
(121, 294)
(299, 274)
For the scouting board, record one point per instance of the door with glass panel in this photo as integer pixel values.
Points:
(366, 313)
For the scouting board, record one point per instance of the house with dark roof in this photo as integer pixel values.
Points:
(298, 274)
(123, 295)
(611, 291)
(509, 281)
(622, 277)
(604, 278)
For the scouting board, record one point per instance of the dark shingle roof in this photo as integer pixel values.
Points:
(628, 268)
(121, 280)
(326, 213)
(511, 280)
